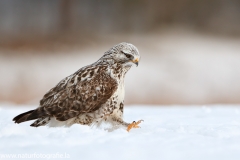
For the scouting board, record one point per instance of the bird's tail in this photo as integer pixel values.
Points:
(30, 115)
(23, 117)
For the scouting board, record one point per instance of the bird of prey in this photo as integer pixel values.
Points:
(91, 96)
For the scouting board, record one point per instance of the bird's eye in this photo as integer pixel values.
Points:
(128, 55)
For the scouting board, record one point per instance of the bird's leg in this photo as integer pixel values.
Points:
(105, 117)
(128, 125)
(120, 121)
(134, 125)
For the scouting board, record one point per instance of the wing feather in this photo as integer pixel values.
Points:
(83, 92)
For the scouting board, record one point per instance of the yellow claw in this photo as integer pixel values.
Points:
(134, 125)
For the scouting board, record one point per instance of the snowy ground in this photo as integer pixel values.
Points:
(182, 133)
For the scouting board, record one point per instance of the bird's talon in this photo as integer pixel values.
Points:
(134, 125)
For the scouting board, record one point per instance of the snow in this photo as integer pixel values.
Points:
(167, 133)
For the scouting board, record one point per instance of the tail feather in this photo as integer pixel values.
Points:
(22, 117)
(40, 122)
(30, 115)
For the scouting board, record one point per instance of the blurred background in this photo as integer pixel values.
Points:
(190, 49)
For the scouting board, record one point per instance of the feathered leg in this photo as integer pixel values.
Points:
(128, 125)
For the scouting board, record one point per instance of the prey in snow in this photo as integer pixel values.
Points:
(93, 95)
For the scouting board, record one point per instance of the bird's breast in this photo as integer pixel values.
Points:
(120, 92)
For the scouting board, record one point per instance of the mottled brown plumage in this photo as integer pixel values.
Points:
(92, 95)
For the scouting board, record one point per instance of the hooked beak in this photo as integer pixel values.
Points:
(135, 61)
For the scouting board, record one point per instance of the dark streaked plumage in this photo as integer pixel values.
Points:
(92, 95)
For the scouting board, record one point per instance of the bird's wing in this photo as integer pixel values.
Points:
(83, 92)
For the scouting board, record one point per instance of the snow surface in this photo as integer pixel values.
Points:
(167, 133)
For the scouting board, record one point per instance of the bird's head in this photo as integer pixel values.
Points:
(124, 53)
